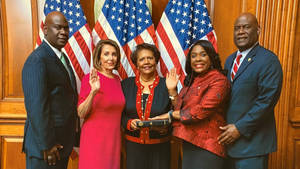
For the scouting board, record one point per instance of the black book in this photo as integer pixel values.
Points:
(149, 123)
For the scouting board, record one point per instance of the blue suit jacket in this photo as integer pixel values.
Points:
(51, 103)
(255, 91)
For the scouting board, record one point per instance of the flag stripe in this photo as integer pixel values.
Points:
(211, 37)
(138, 40)
(75, 63)
(172, 51)
(149, 36)
(166, 61)
(127, 51)
(81, 43)
(40, 35)
(86, 34)
(98, 31)
(79, 58)
(174, 44)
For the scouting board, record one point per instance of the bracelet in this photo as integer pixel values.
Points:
(170, 114)
(172, 97)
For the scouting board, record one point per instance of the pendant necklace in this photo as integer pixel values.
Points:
(143, 105)
(144, 111)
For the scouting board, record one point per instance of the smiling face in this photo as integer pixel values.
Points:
(200, 61)
(246, 31)
(146, 63)
(56, 30)
(108, 57)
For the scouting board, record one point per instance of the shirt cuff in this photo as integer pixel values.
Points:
(129, 124)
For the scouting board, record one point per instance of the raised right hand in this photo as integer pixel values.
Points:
(94, 81)
(172, 79)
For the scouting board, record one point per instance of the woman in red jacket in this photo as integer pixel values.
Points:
(200, 108)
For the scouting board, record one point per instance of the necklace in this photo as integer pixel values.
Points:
(148, 80)
(144, 112)
(144, 104)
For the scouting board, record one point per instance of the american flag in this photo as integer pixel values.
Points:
(79, 46)
(182, 23)
(129, 23)
(99, 3)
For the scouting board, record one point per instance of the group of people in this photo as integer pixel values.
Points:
(225, 117)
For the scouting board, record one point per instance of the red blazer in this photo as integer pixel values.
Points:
(202, 109)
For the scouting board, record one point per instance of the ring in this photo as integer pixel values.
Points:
(49, 157)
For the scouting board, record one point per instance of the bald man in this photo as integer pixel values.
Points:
(256, 78)
(50, 99)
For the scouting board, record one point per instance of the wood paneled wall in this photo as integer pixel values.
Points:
(17, 29)
(280, 24)
(293, 82)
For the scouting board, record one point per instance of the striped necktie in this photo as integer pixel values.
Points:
(236, 66)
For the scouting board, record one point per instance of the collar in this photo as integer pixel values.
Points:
(146, 114)
(56, 51)
(245, 53)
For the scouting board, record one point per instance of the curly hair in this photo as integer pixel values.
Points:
(146, 46)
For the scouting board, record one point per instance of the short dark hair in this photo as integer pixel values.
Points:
(146, 46)
(98, 50)
(213, 57)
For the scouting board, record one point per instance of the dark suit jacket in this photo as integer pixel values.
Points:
(255, 91)
(50, 101)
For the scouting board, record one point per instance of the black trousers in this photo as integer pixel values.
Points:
(36, 163)
(197, 158)
(147, 156)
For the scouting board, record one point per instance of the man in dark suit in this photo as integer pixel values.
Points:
(50, 99)
(256, 77)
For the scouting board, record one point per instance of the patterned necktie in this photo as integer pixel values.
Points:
(236, 66)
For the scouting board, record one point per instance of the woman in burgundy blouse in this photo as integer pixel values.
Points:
(200, 108)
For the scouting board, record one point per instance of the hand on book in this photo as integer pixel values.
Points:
(133, 124)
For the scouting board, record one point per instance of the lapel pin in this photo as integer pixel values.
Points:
(249, 59)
